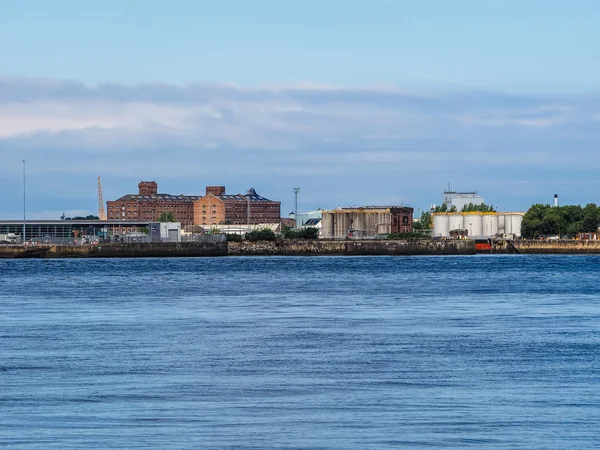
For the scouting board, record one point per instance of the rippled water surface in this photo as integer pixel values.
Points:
(324, 352)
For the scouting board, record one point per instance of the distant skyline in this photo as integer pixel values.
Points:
(356, 103)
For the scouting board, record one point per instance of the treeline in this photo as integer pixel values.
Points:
(471, 207)
(425, 222)
(267, 234)
(546, 220)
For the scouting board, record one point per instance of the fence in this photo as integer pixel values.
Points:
(138, 239)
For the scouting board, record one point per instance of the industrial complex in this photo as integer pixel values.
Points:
(135, 218)
(477, 224)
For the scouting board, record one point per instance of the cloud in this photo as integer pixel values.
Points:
(342, 145)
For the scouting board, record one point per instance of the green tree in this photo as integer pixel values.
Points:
(264, 234)
(424, 222)
(167, 216)
(589, 223)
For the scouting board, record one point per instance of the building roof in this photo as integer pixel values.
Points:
(250, 195)
(161, 197)
(369, 209)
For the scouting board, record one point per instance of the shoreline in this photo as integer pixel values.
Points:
(298, 247)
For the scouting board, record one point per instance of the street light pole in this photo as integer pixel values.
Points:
(24, 215)
(296, 190)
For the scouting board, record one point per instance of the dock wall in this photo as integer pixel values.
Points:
(557, 247)
(353, 247)
(280, 247)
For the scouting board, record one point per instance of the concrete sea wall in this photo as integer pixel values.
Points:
(557, 247)
(353, 247)
(263, 248)
(117, 250)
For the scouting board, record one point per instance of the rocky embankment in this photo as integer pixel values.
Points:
(353, 247)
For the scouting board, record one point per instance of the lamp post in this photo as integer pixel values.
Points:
(24, 215)
(296, 190)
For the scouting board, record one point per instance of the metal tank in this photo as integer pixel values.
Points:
(501, 223)
(455, 222)
(473, 223)
(513, 224)
(490, 225)
(440, 225)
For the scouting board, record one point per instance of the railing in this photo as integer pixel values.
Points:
(96, 240)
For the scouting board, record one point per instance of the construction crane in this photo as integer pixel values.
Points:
(101, 212)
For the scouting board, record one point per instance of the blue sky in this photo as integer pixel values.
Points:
(354, 102)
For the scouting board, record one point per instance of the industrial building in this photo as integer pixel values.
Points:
(477, 224)
(217, 207)
(461, 199)
(148, 205)
(366, 222)
(69, 231)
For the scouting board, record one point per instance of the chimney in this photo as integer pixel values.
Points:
(555, 200)
(148, 187)
(215, 190)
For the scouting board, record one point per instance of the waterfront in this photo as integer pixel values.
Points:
(313, 352)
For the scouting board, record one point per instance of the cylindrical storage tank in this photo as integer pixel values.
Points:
(513, 224)
(440, 225)
(455, 222)
(490, 225)
(473, 223)
(501, 223)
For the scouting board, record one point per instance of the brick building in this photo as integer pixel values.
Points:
(217, 207)
(148, 205)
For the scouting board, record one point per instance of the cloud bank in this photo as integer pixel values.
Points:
(340, 145)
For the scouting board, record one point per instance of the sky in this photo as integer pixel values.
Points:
(354, 102)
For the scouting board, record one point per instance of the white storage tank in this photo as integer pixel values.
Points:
(501, 223)
(473, 223)
(440, 225)
(490, 225)
(513, 223)
(455, 222)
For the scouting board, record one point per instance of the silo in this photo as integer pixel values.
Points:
(513, 223)
(455, 222)
(473, 223)
(501, 222)
(440, 225)
(490, 225)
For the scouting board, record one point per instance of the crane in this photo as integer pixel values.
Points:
(101, 212)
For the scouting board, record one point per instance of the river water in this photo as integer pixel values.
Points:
(301, 352)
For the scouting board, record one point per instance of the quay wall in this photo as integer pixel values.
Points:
(353, 247)
(262, 248)
(117, 250)
(557, 247)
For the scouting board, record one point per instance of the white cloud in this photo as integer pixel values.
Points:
(333, 138)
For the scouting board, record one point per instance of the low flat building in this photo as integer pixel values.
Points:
(366, 222)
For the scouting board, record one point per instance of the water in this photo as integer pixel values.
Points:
(325, 352)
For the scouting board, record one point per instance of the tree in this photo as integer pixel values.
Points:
(589, 224)
(90, 217)
(544, 220)
(264, 234)
(167, 216)
(424, 222)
